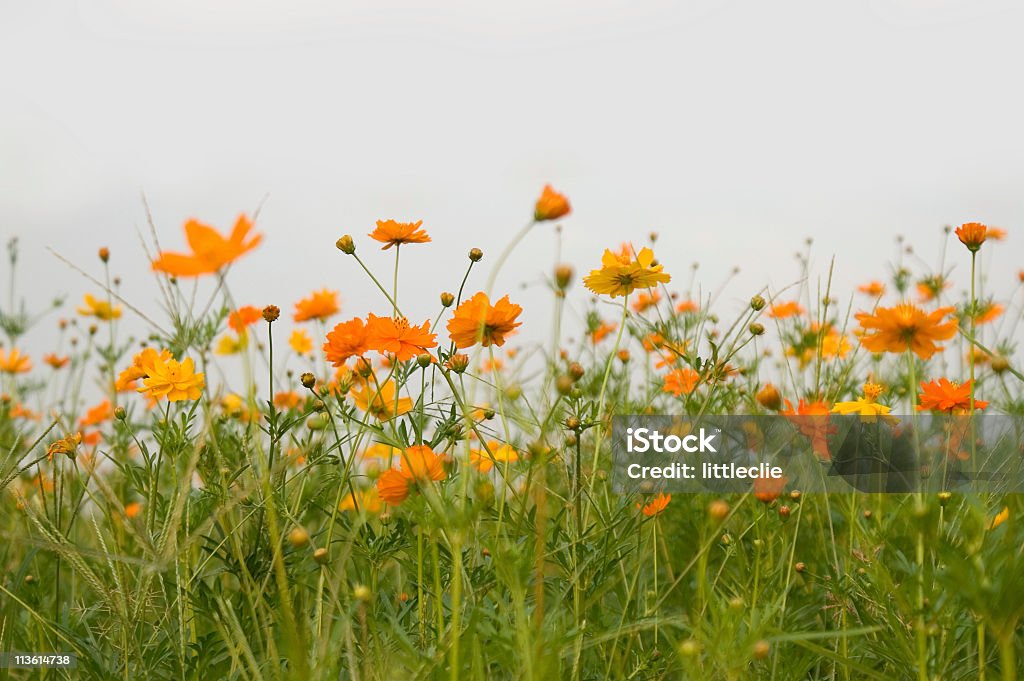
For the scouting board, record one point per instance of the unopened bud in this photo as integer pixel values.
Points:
(447, 299)
(308, 380)
(346, 245)
(475, 254)
(271, 313)
(757, 303)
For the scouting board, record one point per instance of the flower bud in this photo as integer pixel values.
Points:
(320, 556)
(718, 510)
(572, 423)
(299, 537)
(458, 362)
(563, 276)
(563, 384)
(475, 254)
(1000, 364)
(756, 328)
(361, 592)
(346, 245)
(761, 650)
(104, 254)
(423, 359)
(447, 299)
(757, 303)
(120, 414)
(576, 371)
(308, 380)
(769, 397)
(271, 313)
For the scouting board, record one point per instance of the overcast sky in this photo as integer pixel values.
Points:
(734, 128)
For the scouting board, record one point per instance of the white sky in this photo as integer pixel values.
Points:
(734, 128)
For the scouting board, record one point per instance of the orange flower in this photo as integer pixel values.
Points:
(98, 414)
(785, 310)
(417, 464)
(380, 402)
(391, 233)
(875, 289)
(392, 487)
(972, 235)
(100, 309)
(132, 509)
(66, 445)
(768, 490)
(287, 400)
(551, 205)
(243, 317)
(210, 250)
(946, 396)
(126, 380)
(929, 288)
(646, 300)
(499, 453)
(320, 305)
(906, 327)
(365, 500)
(55, 361)
(300, 342)
(687, 306)
(347, 339)
(812, 420)
(987, 311)
(477, 321)
(14, 362)
(681, 381)
(656, 505)
(602, 331)
(620, 274)
(397, 337)
(172, 379)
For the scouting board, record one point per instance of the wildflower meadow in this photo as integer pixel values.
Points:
(426, 493)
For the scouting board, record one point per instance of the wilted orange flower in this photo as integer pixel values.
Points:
(620, 275)
(391, 233)
(380, 401)
(365, 500)
(417, 464)
(397, 337)
(477, 321)
(101, 309)
(244, 317)
(551, 205)
(972, 235)
(319, 305)
(656, 505)
(946, 396)
(300, 342)
(645, 300)
(171, 379)
(785, 310)
(66, 445)
(55, 361)
(14, 362)
(347, 339)
(906, 327)
(875, 289)
(98, 414)
(499, 453)
(681, 381)
(210, 250)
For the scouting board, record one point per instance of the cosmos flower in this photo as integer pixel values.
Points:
(210, 250)
(319, 305)
(477, 321)
(972, 235)
(906, 327)
(380, 401)
(14, 362)
(345, 340)
(417, 465)
(300, 342)
(244, 317)
(395, 336)
(100, 309)
(499, 453)
(947, 396)
(172, 379)
(551, 205)
(620, 275)
(681, 381)
(656, 505)
(391, 233)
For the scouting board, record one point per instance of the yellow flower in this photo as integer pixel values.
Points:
(231, 345)
(864, 406)
(620, 275)
(14, 362)
(499, 453)
(172, 379)
(380, 402)
(66, 445)
(100, 309)
(300, 342)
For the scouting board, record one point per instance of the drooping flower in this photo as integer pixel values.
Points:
(395, 336)
(769, 397)
(418, 464)
(392, 487)
(67, 446)
(947, 396)
(972, 235)
(985, 311)
(210, 250)
(906, 327)
(551, 205)
(172, 379)
(391, 233)
(620, 275)
(656, 505)
(319, 305)
(244, 317)
(14, 362)
(687, 307)
(300, 342)
(100, 309)
(681, 381)
(600, 332)
(345, 340)
(477, 321)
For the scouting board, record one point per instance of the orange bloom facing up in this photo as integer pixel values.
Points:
(100, 309)
(210, 250)
(656, 505)
(417, 464)
(380, 401)
(906, 327)
(244, 317)
(681, 381)
(477, 321)
(397, 337)
(320, 305)
(946, 396)
(391, 233)
(972, 235)
(172, 379)
(14, 362)
(347, 339)
(551, 205)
